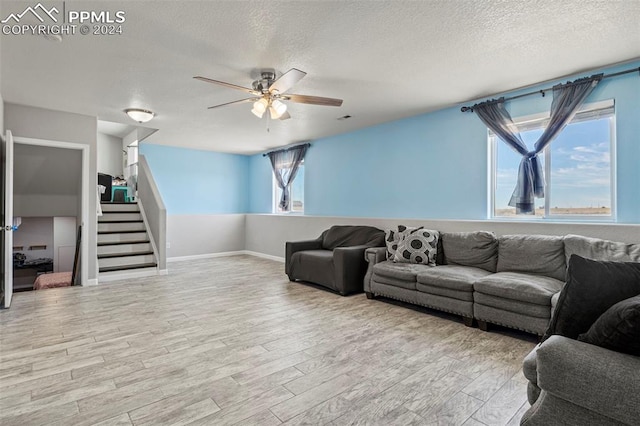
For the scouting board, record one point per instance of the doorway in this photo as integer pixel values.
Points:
(54, 182)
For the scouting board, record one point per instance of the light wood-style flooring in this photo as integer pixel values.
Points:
(230, 340)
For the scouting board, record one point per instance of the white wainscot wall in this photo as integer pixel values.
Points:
(266, 234)
(196, 236)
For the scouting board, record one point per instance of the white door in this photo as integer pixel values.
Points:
(7, 220)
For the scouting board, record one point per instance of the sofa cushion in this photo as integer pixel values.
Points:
(395, 282)
(597, 249)
(418, 246)
(618, 328)
(592, 287)
(347, 236)
(451, 276)
(515, 306)
(517, 286)
(477, 249)
(445, 292)
(314, 266)
(400, 271)
(532, 254)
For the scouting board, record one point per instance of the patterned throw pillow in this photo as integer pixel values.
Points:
(419, 246)
(393, 238)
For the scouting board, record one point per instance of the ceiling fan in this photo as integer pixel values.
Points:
(269, 93)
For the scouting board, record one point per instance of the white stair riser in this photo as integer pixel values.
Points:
(127, 274)
(124, 248)
(126, 260)
(119, 227)
(119, 216)
(116, 238)
(119, 207)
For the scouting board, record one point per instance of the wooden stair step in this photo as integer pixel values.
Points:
(133, 203)
(121, 243)
(135, 253)
(122, 232)
(127, 267)
(121, 221)
(120, 211)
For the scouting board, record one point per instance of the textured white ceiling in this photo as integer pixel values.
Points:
(118, 130)
(386, 59)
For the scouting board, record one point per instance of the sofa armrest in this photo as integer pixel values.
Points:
(350, 268)
(292, 247)
(373, 255)
(595, 378)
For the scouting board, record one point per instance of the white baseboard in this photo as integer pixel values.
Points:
(91, 282)
(204, 256)
(163, 272)
(225, 254)
(264, 256)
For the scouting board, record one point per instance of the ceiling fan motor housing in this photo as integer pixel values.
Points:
(267, 80)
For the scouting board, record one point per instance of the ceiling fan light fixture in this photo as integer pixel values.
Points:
(259, 107)
(140, 115)
(277, 109)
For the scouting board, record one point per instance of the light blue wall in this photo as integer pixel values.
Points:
(260, 184)
(434, 166)
(199, 182)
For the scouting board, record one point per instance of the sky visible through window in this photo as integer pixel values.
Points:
(580, 169)
(297, 191)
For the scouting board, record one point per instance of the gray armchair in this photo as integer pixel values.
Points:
(335, 259)
(575, 383)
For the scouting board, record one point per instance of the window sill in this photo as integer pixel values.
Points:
(565, 219)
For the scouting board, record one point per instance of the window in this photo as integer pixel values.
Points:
(297, 194)
(578, 166)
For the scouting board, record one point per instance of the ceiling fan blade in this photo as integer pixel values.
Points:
(241, 101)
(232, 86)
(314, 100)
(287, 80)
(285, 116)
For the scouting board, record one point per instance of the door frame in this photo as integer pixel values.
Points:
(84, 214)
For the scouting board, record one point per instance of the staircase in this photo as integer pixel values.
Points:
(123, 243)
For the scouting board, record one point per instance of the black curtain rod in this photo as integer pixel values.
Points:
(542, 91)
(287, 148)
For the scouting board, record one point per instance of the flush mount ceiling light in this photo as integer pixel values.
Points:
(140, 115)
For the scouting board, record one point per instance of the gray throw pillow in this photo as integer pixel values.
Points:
(592, 287)
(419, 246)
(618, 328)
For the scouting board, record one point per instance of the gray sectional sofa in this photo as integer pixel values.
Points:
(511, 280)
(516, 280)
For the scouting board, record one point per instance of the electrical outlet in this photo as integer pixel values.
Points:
(168, 244)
